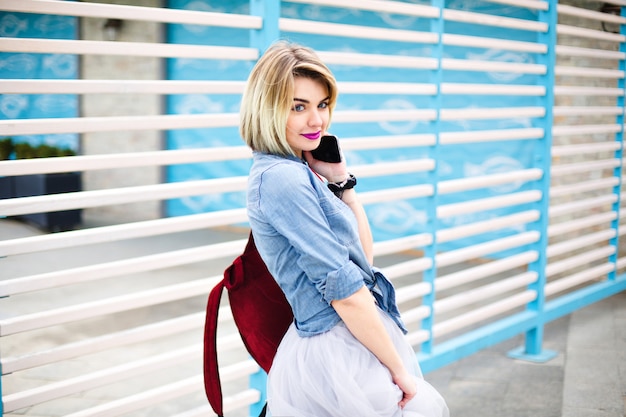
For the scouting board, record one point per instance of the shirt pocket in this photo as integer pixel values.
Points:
(340, 219)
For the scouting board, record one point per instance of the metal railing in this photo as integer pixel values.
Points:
(551, 247)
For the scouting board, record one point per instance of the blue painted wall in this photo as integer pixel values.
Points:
(39, 66)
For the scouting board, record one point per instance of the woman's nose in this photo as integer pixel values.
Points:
(315, 119)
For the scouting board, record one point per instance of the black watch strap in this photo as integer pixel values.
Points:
(339, 187)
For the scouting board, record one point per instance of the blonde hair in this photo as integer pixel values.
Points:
(268, 97)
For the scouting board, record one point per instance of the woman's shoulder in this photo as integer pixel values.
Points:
(276, 168)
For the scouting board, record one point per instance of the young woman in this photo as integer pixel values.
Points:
(345, 355)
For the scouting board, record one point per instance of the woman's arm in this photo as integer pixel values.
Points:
(361, 316)
(337, 172)
(365, 233)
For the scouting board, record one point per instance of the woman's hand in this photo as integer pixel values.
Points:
(332, 171)
(407, 384)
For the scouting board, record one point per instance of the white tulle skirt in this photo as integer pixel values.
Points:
(334, 375)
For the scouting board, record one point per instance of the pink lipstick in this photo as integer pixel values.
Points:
(312, 136)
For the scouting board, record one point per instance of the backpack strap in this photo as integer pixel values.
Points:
(212, 384)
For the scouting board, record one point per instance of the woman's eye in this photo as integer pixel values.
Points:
(298, 107)
(323, 105)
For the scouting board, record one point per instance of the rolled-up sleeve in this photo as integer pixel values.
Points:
(342, 283)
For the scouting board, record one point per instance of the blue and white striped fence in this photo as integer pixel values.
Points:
(487, 138)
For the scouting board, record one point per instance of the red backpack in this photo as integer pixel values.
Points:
(261, 313)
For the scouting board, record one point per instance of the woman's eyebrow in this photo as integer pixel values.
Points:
(307, 101)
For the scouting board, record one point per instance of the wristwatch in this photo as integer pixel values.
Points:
(339, 187)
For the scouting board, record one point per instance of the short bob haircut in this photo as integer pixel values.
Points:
(268, 97)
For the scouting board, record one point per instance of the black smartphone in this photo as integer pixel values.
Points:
(328, 149)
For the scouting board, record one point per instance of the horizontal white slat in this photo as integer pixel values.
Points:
(496, 21)
(589, 33)
(100, 378)
(529, 4)
(451, 138)
(491, 66)
(583, 187)
(412, 292)
(150, 14)
(581, 223)
(355, 87)
(483, 313)
(566, 50)
(356, 31)
(393, 194)
(561, 70)
(470, 252)
(45, 86)
(19, 127)
(386, 142)
(116, 268)
(351, 116)
(492, 43)
(476, 273)
(62, 315)
(121, 232)
(579, 278)
(585, 148)
(144, 399)
(393, 167)
(585, 129)
(384, 6)
(587, 166)
(415, 314)
(377, 60)
(417, 337)
(491, 113)
(387, 247)
(580, 205)
(567, 10)
(492, 89)
(158, 50)
(408, 267)
(585, 111)
(489, 203)
(82, 199)
(120, 373)
(484, 292)
(122, 160)
(174, 390)
(579, 260)
(108, 341)
(497, 223)
(484, 181)
(561, 90)
(571, 245)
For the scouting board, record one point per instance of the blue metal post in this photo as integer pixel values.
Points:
(258, 381)
(617, 171)
(430, 251)
(532, 351)
(269, 10)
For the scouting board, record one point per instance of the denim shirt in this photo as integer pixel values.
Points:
(310, 243)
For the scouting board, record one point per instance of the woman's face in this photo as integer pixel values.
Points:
(309, 114)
